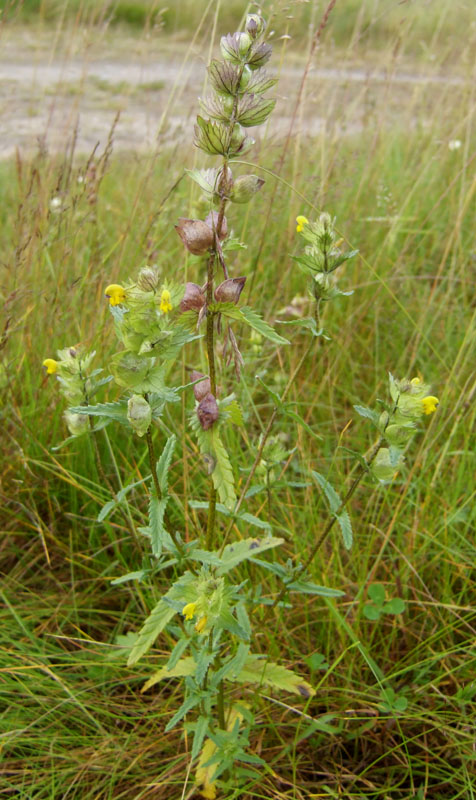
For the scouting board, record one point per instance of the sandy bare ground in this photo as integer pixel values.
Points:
(45, 96)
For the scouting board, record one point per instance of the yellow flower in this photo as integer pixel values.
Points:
(209, 792)
(301, 221)
(201, 624)
(51, 365)
(415, 381)
(116, 294)
(189, 610)
(165, 304)
(429, 404)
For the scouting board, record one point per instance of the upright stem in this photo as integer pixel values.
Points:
(153, 462)
(210, 337)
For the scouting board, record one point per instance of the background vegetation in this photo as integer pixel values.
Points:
(392, 717)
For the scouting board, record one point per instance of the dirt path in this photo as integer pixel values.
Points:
(44, 99)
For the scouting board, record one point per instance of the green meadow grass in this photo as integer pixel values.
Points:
(74, 723)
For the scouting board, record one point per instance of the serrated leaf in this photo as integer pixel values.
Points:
(236, 415)
(115, 411)
(186, 706)
(258, 670)
(183, 668)
(201, 728)
(131, 576)
(163, 464)
(177, 652)
(369, 413)
(252, 520)
(159, 537)
(154, 624)
(211, 444)
(205, 659)
(346, 528)
(331, 494)
(235, 553)
(255, 321)
(305, 587)
(300, 421)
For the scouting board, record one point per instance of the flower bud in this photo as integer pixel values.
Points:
(207, 411)
(245, 187)
(229, 291)
(384, 467)
(77, 423)
(245, 78)
(148, 279)
(244, 43)
(255, 25)
(212, 222)
(259, 55)
(201, 389)
(193, 299)
(196, 235)
(139, 414)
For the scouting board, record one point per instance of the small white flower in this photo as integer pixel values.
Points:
(454, 144)
(55, 203)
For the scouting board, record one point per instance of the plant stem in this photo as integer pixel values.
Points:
(221, 706)
(153, 462)
(264, 439)
(210, 338)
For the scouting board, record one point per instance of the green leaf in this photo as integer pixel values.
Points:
(395, 606)
(159, 537)
(177, 652)
(255, 321)
(346, 528)
(201, 728)
(258, 670)
(163, 464)
(205, 178)
(211, 444)
(115, 411)
(154, 624)
(184, 668)
(236, 415)
(186, 706)
(372, 612)
(316, 661)
(376, 593)
(331, 494)
(368, 413)
(235, 553)
(141, 374)
(131, 576)
(304, 587)
(297, 418)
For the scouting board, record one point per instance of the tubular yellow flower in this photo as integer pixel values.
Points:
(201, 624)
(429, 404)
(116, 294)
(189, 610)
(165, 302)
(51, 366)
(301, 221)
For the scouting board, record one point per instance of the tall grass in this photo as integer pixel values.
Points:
(75, 725)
